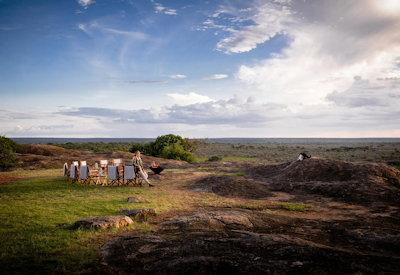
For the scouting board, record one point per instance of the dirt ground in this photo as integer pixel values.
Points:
(318, 216)
(352, 226)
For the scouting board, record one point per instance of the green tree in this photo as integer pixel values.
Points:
(176, 151)
(163, 141)
(168, 146)
(7, 153)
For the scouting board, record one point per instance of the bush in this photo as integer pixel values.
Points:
(7, 153)
(176, 151)
(139, 147)
(214, 158)
(167, 146)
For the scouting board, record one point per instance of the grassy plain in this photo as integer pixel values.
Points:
(38, 206)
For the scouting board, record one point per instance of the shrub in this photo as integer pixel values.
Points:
(143, 148)
(214, 158)
(167, 146)
(7, 153)
(163, 141)
(176, 151)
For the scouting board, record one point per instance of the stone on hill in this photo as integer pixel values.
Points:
(103, 222)
(140, 215)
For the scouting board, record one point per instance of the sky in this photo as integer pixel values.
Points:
(250, 68)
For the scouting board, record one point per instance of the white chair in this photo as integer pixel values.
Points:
(103, 171)
(112, 174)
(65, 170)
(72, 172)
(84, 173)
(129, 174)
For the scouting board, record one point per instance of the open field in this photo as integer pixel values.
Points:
(244, 214)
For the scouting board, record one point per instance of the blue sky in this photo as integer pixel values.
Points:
(140, 68)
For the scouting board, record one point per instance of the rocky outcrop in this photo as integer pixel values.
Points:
(140, 215)
(105, 222)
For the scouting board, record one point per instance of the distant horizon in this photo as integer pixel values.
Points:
(219, 137)
(249, 140)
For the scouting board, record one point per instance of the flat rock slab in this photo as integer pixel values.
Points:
(103, 222)
(212, 220)
(136, 199)
(235, 252)
(140, 215)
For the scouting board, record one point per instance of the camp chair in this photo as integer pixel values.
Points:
(65, 170)
(84, 174)
(94, 176)
(112, 174)
(129, 174)
(73, 172)
(76, 164)
(103, 171)
(120, 169)
(117, 162)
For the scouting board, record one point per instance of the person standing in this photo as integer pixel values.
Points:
(138, 165)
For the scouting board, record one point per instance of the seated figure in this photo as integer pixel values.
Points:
(156, 168)
(303, 156)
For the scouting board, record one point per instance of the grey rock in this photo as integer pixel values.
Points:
(140, 215)
(102, 222)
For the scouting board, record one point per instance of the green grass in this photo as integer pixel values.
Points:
(396, 164)
(239, 174)
(35, 214)
(292, 206)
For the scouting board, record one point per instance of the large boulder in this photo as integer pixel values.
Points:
(103, 222)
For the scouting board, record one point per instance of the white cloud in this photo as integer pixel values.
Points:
(164, 10)
(268, 20)
(233, 111)
(330, 44)
(86, 3)
(187, 99)
(363, 93)
(94, 26)
(178, 76)
(216, 77)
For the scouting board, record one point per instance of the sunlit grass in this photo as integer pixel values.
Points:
(293, 206)
(36, 213)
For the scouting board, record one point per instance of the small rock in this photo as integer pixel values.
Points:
(140, 215)
(102, 222)
(136, 200)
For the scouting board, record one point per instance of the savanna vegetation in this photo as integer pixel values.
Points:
(169, 147)
(232, 202)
